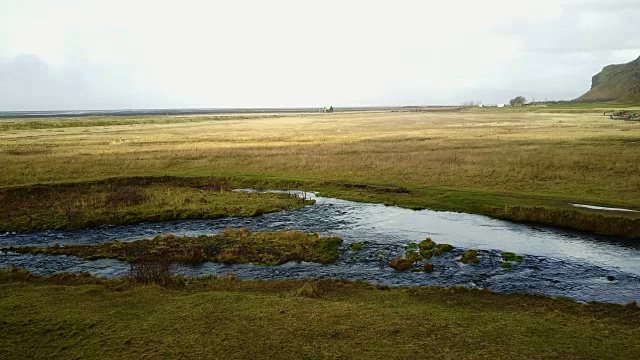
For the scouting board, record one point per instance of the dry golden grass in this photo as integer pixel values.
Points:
(582, 157)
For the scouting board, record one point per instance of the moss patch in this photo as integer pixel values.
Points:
(509, 256)
(413, 256)
(357, 246)
(469, 257)
(400, 263)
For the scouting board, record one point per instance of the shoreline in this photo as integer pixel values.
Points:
(534, 211)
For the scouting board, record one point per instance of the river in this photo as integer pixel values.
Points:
(557, 262)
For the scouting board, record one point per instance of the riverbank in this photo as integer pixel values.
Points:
(122, 201)
(76, 315)
(119, 201)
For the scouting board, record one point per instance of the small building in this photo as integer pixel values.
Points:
(327, 109)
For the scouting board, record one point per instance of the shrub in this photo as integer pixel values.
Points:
(155, 271)
(505, 265)
(357, 246)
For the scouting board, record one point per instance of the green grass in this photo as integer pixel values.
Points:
(81, 317)
(230, 247)
(131, 200)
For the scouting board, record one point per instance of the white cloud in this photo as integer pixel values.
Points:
(106, 54)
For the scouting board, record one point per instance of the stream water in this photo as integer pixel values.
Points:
(556, 262)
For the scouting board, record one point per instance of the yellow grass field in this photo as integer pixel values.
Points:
(583, 157)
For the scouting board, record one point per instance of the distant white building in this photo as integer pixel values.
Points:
(500, 105)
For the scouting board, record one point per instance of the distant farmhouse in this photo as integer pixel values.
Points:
(327, 109)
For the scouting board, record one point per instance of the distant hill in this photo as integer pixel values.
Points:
(617, 83)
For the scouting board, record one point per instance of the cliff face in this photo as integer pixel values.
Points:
(620, 83)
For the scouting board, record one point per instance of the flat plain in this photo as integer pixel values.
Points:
(584, 156)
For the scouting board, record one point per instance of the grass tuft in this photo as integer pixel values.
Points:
(310, 289)
(469, 257)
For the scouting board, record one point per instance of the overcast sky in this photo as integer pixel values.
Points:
(112, 54)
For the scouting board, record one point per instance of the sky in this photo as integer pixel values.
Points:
(65, 54)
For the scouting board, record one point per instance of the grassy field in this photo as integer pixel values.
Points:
(89, 121)
(131, 200)
(520, 164)
(73, 316)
